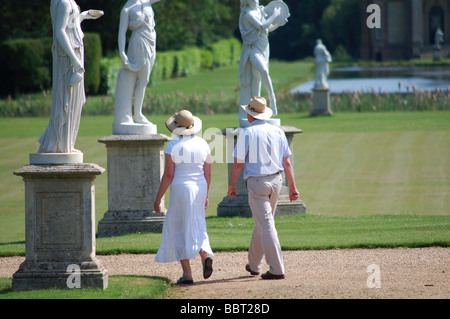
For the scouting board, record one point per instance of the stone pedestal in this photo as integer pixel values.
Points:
(60, 228)
(436, 54)
(238, 206)
(321, 102)
(134, 129)
(135, 165)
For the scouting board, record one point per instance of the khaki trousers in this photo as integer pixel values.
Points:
(263, 195)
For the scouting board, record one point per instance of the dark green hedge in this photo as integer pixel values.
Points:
(93, 55)
(26, 65)
(173, 64)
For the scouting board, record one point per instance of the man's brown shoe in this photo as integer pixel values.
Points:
(253, 273)
(269, 275)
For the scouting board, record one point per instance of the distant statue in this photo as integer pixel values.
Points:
(137, 16)
(323, 57)
(255, 23)
(438, 38)
(68, 76)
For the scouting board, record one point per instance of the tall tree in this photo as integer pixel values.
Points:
(297, 38)
(341, 26)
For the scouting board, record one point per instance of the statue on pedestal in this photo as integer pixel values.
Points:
(438, 38)
(137, 16)
(255, 23)
(323, 57)
(68, 77)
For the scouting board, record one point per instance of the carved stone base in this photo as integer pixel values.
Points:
(128, 222)
(321, 102)
(59, 275)
(238, 206)
(60, 227)
(135, 168)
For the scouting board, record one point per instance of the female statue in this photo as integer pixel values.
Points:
(68, 76)
(137, 16)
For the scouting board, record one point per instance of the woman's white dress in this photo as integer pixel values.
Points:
(184, 231)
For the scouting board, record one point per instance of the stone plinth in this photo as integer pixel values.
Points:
(436, 54)
(134, 129)
(238, 206)
(60, 228)
(56, 158)
(135, 165)
(321, 102)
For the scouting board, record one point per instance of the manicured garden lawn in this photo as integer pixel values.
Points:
(351, 165)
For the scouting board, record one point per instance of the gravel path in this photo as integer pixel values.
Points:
(339, 273)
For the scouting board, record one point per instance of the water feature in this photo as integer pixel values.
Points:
(383, 79)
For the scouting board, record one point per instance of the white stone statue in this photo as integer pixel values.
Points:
(255, 23)
(138, 17)
(323, 57)
(68, 76)
(438, 38)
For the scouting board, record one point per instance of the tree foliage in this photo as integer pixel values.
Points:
(184, 23)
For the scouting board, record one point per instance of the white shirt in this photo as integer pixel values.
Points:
(189, 153)
(262, 147)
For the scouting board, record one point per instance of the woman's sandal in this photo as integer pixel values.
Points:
(184, 281)
(207, 268)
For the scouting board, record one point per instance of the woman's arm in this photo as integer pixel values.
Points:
(166, 180)
(207, 173)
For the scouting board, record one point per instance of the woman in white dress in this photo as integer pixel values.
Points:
(188, 173)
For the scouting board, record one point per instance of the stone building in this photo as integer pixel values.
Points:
(407, 29)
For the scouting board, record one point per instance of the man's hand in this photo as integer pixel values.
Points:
(293, 194)
(232, 192)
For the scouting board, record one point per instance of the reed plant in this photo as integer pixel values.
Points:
(225, 102)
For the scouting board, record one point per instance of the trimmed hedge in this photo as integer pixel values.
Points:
(173, 64)
(93, 55)
(26, 65)
(225, 52)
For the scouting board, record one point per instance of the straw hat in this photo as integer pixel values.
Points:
(184, 123)
(257, 108)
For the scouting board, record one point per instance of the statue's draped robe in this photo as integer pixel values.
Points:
(67, 101)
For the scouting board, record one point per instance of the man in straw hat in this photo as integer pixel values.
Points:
(263, 151)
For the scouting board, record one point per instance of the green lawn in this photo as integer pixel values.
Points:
(347, 165)
(368, 180)
(119, 287)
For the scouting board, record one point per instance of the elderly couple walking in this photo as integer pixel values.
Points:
(262, 151)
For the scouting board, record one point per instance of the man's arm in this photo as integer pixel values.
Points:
(235, 172)
(289, 171)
